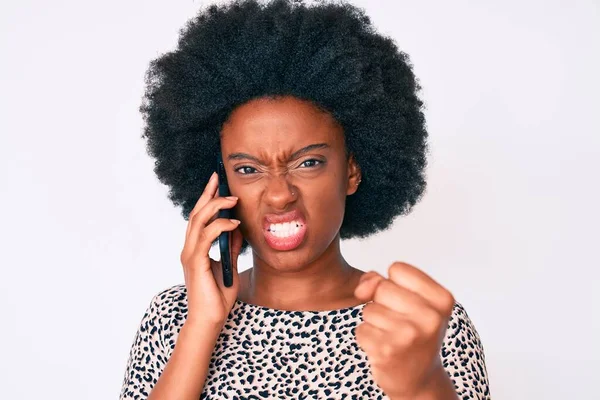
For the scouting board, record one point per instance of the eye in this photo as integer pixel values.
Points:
(245, 170)
(311, 163)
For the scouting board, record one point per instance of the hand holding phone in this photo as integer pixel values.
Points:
(210, 298)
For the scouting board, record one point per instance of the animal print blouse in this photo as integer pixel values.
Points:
(263, 353)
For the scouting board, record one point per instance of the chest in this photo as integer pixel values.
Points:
(288, 358)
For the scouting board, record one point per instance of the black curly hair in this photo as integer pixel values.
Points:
(327, 53)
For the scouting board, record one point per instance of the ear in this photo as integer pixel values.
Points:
(354, 175)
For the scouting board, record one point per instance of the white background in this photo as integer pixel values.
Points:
(509, 223)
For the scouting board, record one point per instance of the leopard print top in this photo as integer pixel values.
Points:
(263, 353)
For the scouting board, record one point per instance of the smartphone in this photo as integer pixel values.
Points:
(225, 237)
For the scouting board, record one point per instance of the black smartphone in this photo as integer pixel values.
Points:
(225, 237)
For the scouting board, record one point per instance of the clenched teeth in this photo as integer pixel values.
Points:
(285, 229)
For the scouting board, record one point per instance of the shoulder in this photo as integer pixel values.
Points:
(171, 297)
(153, 341)
(463, 356)
(460, 324)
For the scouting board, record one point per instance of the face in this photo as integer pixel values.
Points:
(287, 164)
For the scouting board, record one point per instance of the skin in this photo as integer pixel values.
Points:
(403, 328)
(314, 276)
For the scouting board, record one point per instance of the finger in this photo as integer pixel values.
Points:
(399, 299)
(367, 286)
(215, 216)
(211, 232)
(392, 304)
(368, 275)
(207, 194)
(387, 293)
(369, 337)
(208, 213)
(381, 317)
(417, 281)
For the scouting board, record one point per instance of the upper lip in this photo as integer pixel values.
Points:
(294, 215)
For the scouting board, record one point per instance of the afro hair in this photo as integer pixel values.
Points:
(327, 53)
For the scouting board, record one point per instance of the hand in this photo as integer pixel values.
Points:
(403, 329)
(209, 301)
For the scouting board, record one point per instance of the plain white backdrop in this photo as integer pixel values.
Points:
(509, 222)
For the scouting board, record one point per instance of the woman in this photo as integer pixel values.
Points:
(323, 138)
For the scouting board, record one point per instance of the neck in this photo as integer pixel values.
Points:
(323, 284)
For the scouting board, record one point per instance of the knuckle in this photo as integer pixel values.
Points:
(407, 336)
(386, 284)
(212, 208)
(387, 350)
(448, 302)
(383, 286)
(202, 237)
(368, 275)
(396, 266)
(432, 321)
(368, 311)
(194, 214)
(183, 257)
(212, 231)
(379, 292)
(410, 334)
(195, 260)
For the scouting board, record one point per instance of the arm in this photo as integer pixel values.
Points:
(151, 374)
(462, 373)
(463, 357)
(439, 387)
(186, 371)
(146, 358)
(418, 339)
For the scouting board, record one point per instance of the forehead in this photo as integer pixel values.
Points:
(279, 124)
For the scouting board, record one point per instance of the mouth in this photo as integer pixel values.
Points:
(284, 232)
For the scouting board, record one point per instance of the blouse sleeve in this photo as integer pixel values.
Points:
(146, 358)
(463, 357)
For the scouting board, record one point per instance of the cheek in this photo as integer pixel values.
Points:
(327, 207)
(247, 215)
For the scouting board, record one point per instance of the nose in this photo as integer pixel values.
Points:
(279, 192)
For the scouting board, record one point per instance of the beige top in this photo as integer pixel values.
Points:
(264, 353)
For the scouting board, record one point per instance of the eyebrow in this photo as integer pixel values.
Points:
(296, 154)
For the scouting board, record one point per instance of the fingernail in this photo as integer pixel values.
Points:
(231, 198)
(236, 221)
(213, 176)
